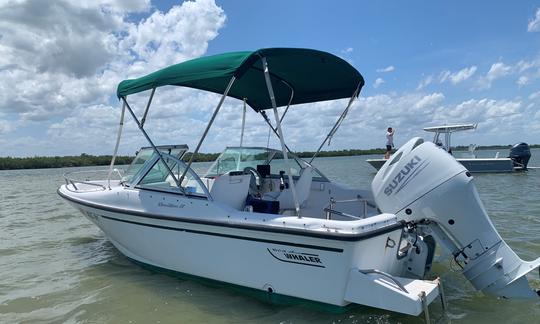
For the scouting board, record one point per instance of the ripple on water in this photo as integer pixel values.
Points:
(8, 252)
(85, 240)
(62, 217)
(52, 307)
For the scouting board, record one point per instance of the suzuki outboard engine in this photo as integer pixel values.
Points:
(425, 186)
(520, 154)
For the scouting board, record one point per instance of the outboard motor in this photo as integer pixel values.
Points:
(425, 186)
(520, 154)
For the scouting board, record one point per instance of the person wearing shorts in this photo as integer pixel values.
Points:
(389, 142)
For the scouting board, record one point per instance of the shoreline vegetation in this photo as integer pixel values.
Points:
(45, 162)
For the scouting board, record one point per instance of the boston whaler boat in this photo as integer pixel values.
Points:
(268, 220)
(517, 160)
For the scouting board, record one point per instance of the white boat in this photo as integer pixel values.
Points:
(267, 220)
(517, 160)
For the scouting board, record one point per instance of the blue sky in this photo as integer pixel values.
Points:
(425, 63)
(416, 37)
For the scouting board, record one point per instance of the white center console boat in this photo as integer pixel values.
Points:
(517, 159)
(268, 220)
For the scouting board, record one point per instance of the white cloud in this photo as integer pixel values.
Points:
(56, 37)
(457, 77)
(484, 109)
(498, 119)
(523, 80)
(60, 59)
(444, 75)
(534, 24)
(431, 100)
(5, 126)
(528, 71)
(462, 75)
(525, 65)
(407, 113)
(188, 28)
(534, 95)
(497, 71)
(378, 82)
(126, 5)
(425, 82)
(389, 68)
(370, 116)
(58, 74)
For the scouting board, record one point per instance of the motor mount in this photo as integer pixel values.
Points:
(423, 184)
(520, 154)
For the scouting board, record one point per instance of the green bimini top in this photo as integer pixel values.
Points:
(313, 75)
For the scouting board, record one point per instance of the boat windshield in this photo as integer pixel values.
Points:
(239, 158)
(145, 153)
(159, 177)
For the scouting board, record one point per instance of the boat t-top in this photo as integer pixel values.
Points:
(517, 159)
(268, 220)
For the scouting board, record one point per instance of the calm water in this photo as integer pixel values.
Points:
(55, 266)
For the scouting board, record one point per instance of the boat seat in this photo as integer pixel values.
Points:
(231, 190)
(302, 186)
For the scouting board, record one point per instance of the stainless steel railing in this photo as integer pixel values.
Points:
(72, 179)
(330, 208)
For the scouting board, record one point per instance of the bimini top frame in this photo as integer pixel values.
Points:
(263, 79)
(447, 130)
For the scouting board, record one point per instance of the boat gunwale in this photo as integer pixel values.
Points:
(253, 227)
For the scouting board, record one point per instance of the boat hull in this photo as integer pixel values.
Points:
(472, 165)
(488, 164)
(294, 265)
(376, 163)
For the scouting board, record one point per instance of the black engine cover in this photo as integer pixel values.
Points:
(520, 154)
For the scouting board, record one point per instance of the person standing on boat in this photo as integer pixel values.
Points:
(389, 142)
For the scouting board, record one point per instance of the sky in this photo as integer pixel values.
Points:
(426, 63)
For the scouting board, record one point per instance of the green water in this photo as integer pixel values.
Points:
(57, 267)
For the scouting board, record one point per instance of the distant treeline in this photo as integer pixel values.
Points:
(201, 157)
(308, 154)
(43, 162)
(491, 147)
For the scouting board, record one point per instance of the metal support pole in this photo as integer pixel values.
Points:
(280, 133)
(147, 106)
(152, 144)
(271, 128)
(243, 123)
(208, 127)
(338, 123)
(120, 126)
(265, 117)
(441, 293)
(425, 306)
(290, 100)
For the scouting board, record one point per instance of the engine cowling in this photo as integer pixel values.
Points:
(520, 154)
(422, 183)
